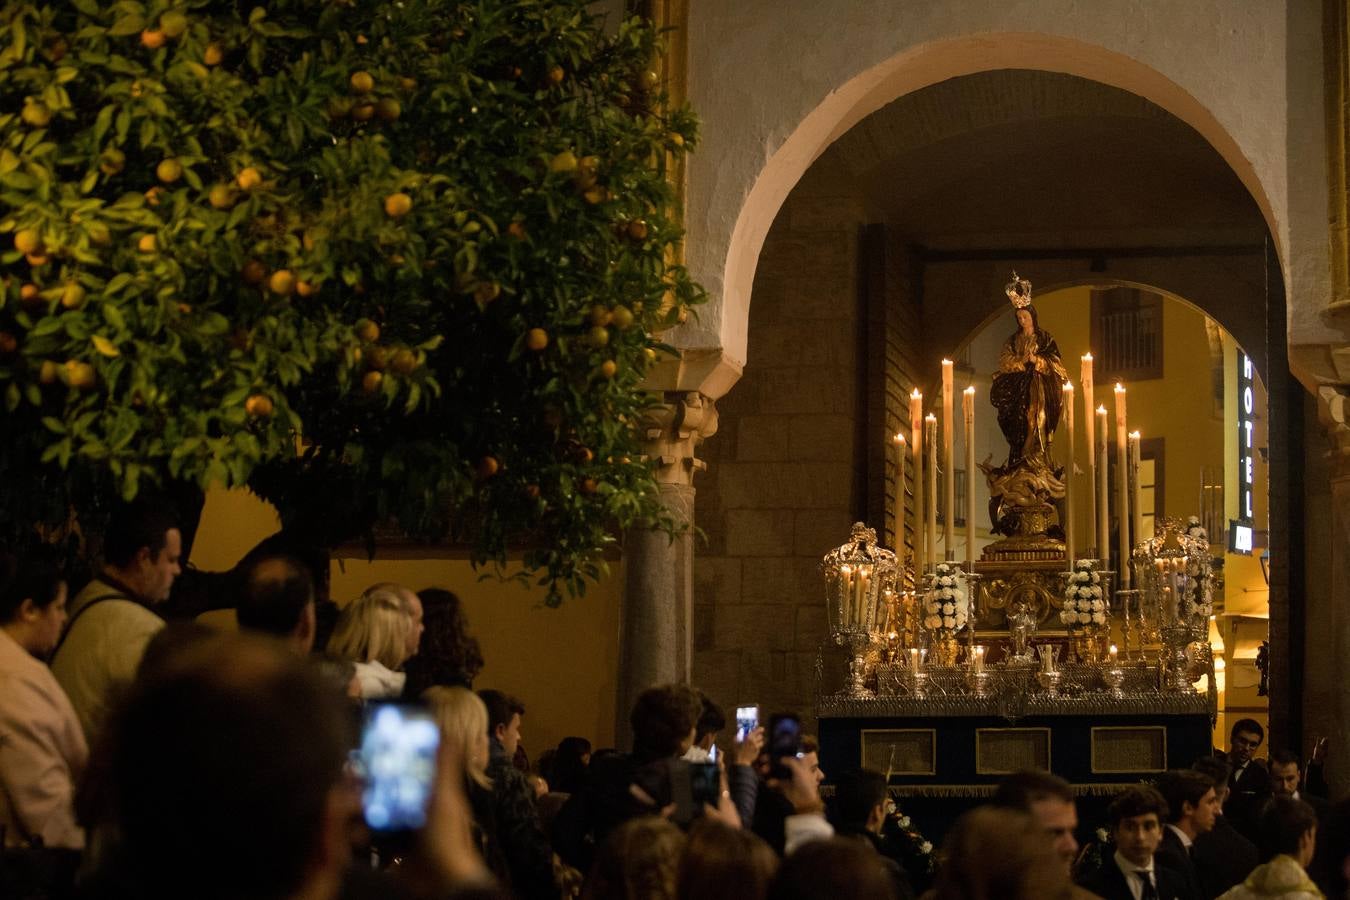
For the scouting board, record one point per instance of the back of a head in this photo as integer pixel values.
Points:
(447, 654)
(856, 794)
(724, 863)
(637, 861)
(141, 523)
(464, 724)
(1180, 787)
(372, 628)
(274, 592)
(1333, 849)
(835, 869)
(501, 708)
(1281, 826)
(1000, 854)
(711, 719)
(662, 718)
(223, 760)
(1022, 789)
(1213, 768)
(33, 574)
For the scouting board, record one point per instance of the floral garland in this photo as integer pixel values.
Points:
(1083, 599)
(901, 829)
(1198, 589)
(946, 605)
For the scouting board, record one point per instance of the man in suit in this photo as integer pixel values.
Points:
(1192, 808)
(1249, 782)
(1286, 779)
(1132, 873)
(1222, 856)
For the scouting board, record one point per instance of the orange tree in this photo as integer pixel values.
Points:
(383, 263)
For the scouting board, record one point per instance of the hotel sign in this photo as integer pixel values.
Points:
(1240, 531)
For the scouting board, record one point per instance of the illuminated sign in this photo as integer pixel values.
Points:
(1241, 530)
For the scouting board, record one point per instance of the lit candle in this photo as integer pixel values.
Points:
(1068, 475)
(1112, 655)
(930, 438)
(900, 499)
(846, 595)
(1136, 509)
(1103, 496)
(915, 659)
(921, 550)
(977, 658)
(948, 462)
(1122, 490)
(860, 616)
(968, 412)
(1089, 432)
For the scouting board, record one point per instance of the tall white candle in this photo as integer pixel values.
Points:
(930, 439)
(1122, 490)
(948, 462)
(968, 413)
(1090, 436)
(900, 499)
(921, 549)
(1103, 491)
(1068, 476)
(1136, 509)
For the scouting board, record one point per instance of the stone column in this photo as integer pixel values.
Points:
(656, 623)
(1334, 412)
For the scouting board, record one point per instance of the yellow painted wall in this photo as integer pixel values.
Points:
(561, 663)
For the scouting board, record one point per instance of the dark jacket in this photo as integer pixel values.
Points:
(1109, 882)
(1248, 792)
(1173, 854)
(529, 856)
(894, 867)
(1223, 858)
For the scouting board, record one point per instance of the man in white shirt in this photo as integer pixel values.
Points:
(110, 620)
(1131, 873)
(42, 748)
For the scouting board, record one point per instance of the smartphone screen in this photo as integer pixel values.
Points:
(712, 754)
(397, 759)
(704, 784)
(747, 720)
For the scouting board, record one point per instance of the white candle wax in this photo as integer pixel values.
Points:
(968, 411)
(948, 462)
(921, 549)
(1122, 491)
(1068, 476)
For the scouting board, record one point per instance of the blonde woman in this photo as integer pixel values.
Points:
(372, 632)
(463, 720)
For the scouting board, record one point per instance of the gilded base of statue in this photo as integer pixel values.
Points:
(945, 648)
(1089, 643)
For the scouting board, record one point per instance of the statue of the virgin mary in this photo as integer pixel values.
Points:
(1028, 392)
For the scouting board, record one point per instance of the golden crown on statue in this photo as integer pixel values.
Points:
(1018, 291)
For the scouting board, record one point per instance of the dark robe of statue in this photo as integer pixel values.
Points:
(1028, 389)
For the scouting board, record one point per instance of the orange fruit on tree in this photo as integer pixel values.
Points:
(377, 358)
(532, 491)
(221, 196)
(598, 336)
(48, 372)
(404, 361)
(79, 374)
(516, 230)
(557, 74)
(169, 170)
(372, 381)
(388, 109)
(609, 368)
(152, 38)
(72, 295)
(487, 467)
(362, 82)
(253, 272)
(566, 161)
(282, 282)
(27, 240)
(363, 112)
(305, 288)
(487, 291)
(397, 205)
(213, 55)
(589, 485)
(536, 339)
(259, 406)
(36, 113)
(8, 342)
(111, 161)
(30, 295)
(367, 331)
(600, 314)
(621, 317)
(248, 179)
(147, 243)
(153, 195)
(637, 230)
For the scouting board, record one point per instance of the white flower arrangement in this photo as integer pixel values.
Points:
(946, 605)
(1084, 600)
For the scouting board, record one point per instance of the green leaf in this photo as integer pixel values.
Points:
(132, 23)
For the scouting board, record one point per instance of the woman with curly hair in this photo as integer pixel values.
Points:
(448, 655)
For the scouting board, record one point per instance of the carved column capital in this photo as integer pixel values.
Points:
(672, 432)
(1333, 410)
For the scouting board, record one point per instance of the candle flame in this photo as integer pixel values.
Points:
(915, 394)
(946, 362)
(899, 438)
(1114, 650)
(1120, 389)
(1101, 410)
(1134, 435)
(1068, 387)
(930, 418)
(970, 390)
(1087, 357)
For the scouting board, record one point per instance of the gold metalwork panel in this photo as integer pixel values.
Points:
(900, 751)
(1132, 749)
(1000, 751)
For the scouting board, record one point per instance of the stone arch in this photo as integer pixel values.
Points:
(919, 67)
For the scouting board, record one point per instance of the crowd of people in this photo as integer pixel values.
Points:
(140, 759)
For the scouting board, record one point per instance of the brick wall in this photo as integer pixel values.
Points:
(786, 475)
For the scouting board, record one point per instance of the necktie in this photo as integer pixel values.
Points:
(1150, 892)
